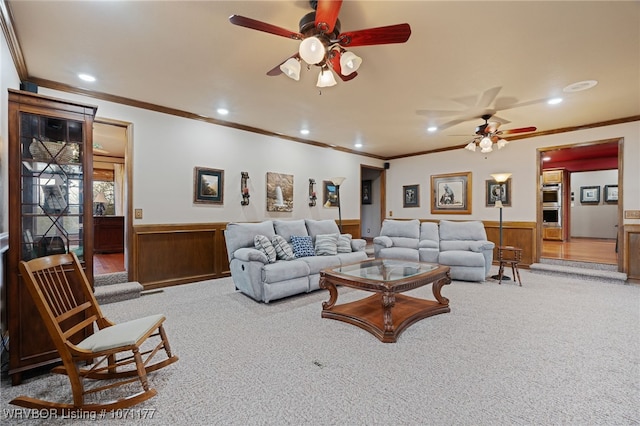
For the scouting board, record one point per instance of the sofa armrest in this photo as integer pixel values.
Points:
(480, 246)
(250, 254)
(358, 244)
(383, 241)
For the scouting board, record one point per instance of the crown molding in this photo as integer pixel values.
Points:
(6, 21)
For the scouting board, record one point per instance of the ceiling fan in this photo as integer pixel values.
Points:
(322, 44)
(488, 134)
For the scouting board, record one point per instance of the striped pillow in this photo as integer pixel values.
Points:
(283, 249)
(344, 243)
(263, 244)
(327, 244)
(302, 246)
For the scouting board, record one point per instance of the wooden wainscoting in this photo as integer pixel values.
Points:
(632, 251)
(517, 234)
(166, 255)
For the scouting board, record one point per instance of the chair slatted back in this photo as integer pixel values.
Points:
(62, 294)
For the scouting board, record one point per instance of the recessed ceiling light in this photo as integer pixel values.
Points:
(432, 129)
(304, 131)
(580, 86)
(358, 145)
(546, 158)
(86, 77)
(222, 111)
(554, 101)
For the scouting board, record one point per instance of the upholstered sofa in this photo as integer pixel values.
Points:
(291, 263)
(463, 246)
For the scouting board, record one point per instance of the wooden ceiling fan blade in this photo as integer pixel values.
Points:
(488, 96)
(327, 14)
(381, 35)
(520, 130)
(334, 62)
(253, 24)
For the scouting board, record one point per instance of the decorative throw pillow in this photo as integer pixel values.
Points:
(283, 249)
(344, 243)
(302, 246)
(327, 244)
(263, 244)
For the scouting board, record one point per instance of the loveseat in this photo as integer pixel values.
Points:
(463, 246)
(279, 258)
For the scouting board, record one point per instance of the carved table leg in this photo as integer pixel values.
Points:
(437, 286)
(388, 301)
(333, 292)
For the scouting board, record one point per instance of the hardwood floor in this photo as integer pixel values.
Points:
(108, 263)
(582, 249)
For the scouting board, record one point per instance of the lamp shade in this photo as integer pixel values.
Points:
(326, 79)
(100, 198)
(291, 68)
(312, 50)
(500, 177)
(349, 63)
(338, 180)
(471, 146)
(498, 204)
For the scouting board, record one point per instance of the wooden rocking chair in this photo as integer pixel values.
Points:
(50, 281)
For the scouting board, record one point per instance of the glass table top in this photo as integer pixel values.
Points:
(385, 269)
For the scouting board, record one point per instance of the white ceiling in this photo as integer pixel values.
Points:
(187, 56)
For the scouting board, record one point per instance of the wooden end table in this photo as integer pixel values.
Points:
(386, 313)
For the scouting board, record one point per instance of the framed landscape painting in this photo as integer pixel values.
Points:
(208, 185)
(279, 192)
(589, 194)
(611, 194)
(451, 193)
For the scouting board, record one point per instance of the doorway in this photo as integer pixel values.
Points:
(589, 230)
(112, 186)
(372, 204)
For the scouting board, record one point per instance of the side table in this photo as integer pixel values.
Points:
(509, 255)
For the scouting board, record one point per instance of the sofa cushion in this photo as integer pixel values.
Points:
(461, 258)
(302, 245)
(287, 228)
(318, 263)
(429, 232)
(239, 235)
(263, 244)
(471, 230)
(283, 249)
(411, 243)
(327, 244)
(401, 228)
(344, 243)
(318, 227)
(281, 271)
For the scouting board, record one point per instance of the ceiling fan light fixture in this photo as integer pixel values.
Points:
(486, 150)
(471, 146)
(485, 143)
(501, 143)
(291, 68)
(326, 78)
(349, 63)
(311, 50)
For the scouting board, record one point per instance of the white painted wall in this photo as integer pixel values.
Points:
(593, 220)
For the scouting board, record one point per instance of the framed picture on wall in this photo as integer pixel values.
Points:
(330, 198)
(589, 194)
(366, 192)
(411, 196)
(208, 185)
(451, 193)
(498, 191)
(611, 194)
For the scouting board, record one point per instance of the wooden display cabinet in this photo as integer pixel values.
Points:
(108, 234)
(50, 209)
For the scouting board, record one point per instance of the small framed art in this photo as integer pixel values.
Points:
(590, 194)
(451, 193)
(498, 191)
(411, 196)
(366, 192)
(208, 185)
(611, 194)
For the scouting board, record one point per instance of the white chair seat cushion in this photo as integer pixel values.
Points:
(124, 334)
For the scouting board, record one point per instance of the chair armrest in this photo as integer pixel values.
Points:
(358, 244)
(480, 246)
(250, 254)
(383, 241)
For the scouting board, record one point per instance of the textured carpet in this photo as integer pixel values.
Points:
(555, 351)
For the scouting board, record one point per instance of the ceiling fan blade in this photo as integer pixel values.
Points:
(327, 14)
(520, 130)
(381, 35)
(488, 96)
(492, 126)
(334, 62)
(276, 70)
(263, 26)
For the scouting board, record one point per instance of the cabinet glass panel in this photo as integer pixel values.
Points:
(52, 186)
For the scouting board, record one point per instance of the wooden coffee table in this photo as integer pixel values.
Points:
(386, 313)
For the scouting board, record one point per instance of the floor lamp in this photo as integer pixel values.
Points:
(500, 178)
(337, 181)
